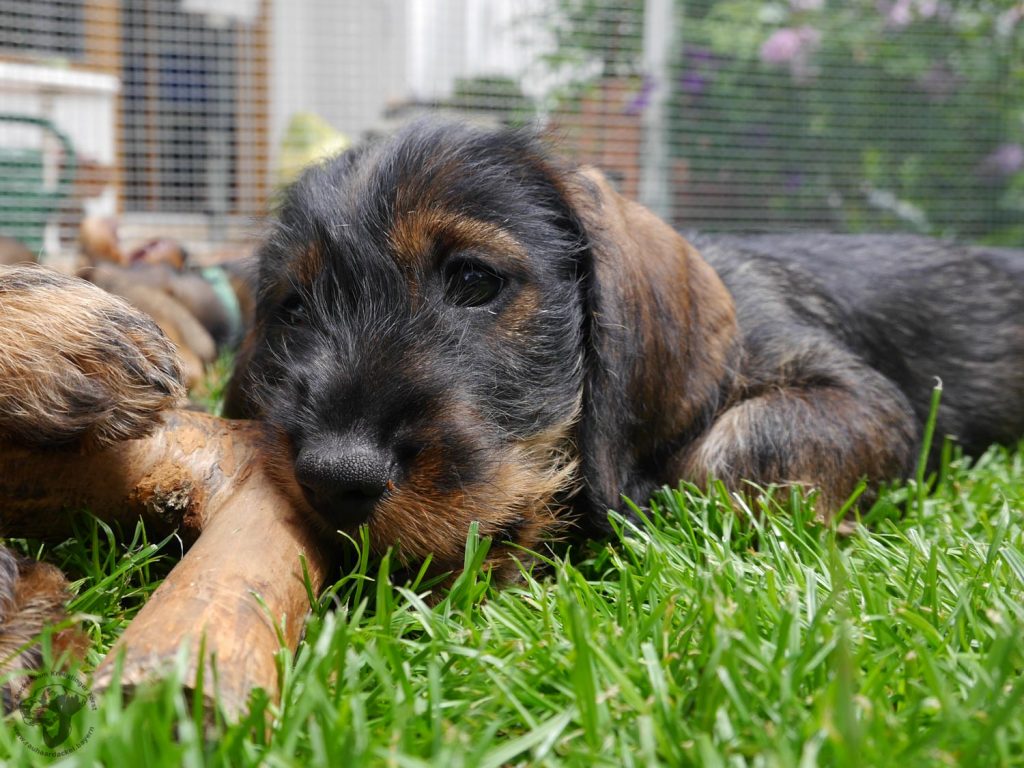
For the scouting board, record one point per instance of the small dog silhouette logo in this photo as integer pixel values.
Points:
(48, 713)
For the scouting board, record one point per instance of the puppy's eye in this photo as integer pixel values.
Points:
(470, 283)
(293, 311)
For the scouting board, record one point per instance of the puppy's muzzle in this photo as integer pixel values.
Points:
(343, 477)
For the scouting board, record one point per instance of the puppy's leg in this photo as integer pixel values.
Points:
(824, 431)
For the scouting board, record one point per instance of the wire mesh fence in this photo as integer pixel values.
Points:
(183, 117)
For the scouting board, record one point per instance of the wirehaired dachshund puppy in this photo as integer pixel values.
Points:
(453, 326)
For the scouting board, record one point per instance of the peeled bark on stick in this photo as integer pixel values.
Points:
(203, 476)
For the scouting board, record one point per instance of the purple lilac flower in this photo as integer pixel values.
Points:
(901, 13)
(642, 98)
(788, 44)
(700, 55)
(792, 46)
(783, 46)
(693, 83)
(1005, 160)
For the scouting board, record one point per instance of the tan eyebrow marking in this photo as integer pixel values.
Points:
(309, 263)
(414, 236)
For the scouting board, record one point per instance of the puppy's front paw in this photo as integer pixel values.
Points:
(78, 365)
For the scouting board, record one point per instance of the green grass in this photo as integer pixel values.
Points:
(696, 636)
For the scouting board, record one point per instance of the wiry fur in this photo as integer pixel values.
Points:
(478, 406)
(618, 356)
(77, 365)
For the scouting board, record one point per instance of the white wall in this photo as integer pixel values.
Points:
(345, 60)
(349, 60)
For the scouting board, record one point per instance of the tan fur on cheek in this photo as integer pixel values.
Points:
(516, 496)
(310, 264)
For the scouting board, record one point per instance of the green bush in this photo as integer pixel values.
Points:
(859, 115)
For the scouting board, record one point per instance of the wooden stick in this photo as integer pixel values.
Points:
(171, 479)
(205, 476)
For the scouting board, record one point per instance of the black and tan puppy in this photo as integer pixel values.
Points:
(454, 326)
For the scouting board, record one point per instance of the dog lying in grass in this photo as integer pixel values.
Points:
(454, 326)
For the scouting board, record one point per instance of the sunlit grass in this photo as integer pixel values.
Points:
(700, 633)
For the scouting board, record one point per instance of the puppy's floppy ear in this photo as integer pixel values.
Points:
(661, 342)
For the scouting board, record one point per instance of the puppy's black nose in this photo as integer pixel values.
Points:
(344, 478)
